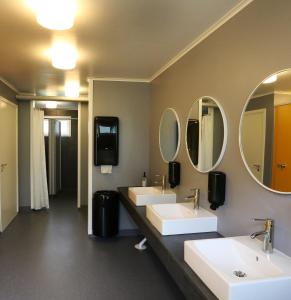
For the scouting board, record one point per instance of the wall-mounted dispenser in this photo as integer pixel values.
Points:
(106, 131)
(174, 173)
(216, 189)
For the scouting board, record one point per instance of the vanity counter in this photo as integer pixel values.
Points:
(170, 250)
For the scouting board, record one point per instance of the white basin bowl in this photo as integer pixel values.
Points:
(142, 196)
(264, 276)
(180, 218)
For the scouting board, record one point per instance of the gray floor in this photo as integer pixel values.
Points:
(48, 255)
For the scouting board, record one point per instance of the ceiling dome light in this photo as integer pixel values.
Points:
(72, 89)
(56, 14)
(64, 56)
(270, 79)
(51, 104)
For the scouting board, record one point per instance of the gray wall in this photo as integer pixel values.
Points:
(228, 65)
(84, 153)
(266, 102)
(24, 152)
(130, 103)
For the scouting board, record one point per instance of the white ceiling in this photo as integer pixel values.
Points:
(115, 38)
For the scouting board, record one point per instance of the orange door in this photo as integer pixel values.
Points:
(281, 177)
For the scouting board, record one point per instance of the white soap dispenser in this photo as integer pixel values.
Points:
(144, 180)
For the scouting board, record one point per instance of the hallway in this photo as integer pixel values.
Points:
(47, 255)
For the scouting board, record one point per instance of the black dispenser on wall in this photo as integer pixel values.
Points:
(106, 131)
(174, 173)
(216, 189)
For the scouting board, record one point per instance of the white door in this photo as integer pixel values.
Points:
(8, 163)
(253, 141)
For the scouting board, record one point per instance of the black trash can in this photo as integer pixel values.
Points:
(105, 213)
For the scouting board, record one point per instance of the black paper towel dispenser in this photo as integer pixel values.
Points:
(216, 189)
(106, 131)
(174, 173)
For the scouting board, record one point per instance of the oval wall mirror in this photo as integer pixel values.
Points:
(265, 133)
(169, 135)
(206, 134)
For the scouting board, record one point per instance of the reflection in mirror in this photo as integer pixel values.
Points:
(206, 134)
(265, 133)
(169, 135)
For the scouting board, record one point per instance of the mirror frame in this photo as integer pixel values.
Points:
(240, 139)
(223, 149)
(179, 134)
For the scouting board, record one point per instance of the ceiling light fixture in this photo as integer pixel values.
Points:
(72, 89)
(55, 14)
(63, 55)
(51, 104)
(270, 79)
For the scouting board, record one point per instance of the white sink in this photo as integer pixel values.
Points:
(150, 195)
(267, 276)
(180, 218)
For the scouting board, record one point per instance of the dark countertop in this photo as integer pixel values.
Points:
(170, 250)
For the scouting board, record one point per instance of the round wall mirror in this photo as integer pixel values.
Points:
(169, 135)
(265, 133)
(206, 134)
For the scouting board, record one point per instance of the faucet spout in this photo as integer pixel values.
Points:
(258, 233)
(194, 198)
(162, 181)
(268, 233)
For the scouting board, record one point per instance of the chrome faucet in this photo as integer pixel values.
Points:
(195, 198)
(162, 181)
(268, 234)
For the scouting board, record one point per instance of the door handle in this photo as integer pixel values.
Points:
(257, 167)
(281, 166)
(2, 167)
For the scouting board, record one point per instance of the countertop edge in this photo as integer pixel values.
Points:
(188, 281)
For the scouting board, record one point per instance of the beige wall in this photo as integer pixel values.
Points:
(130, 103)
(228, 65)
(84, 153)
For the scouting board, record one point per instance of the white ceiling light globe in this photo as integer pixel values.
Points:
(270, 79)
(64, 56)
(56, 14)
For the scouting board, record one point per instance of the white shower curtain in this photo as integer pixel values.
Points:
(39, 192)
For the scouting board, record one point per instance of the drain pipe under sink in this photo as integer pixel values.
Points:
(141, 245)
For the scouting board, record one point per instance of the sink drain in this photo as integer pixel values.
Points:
(240, 274)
